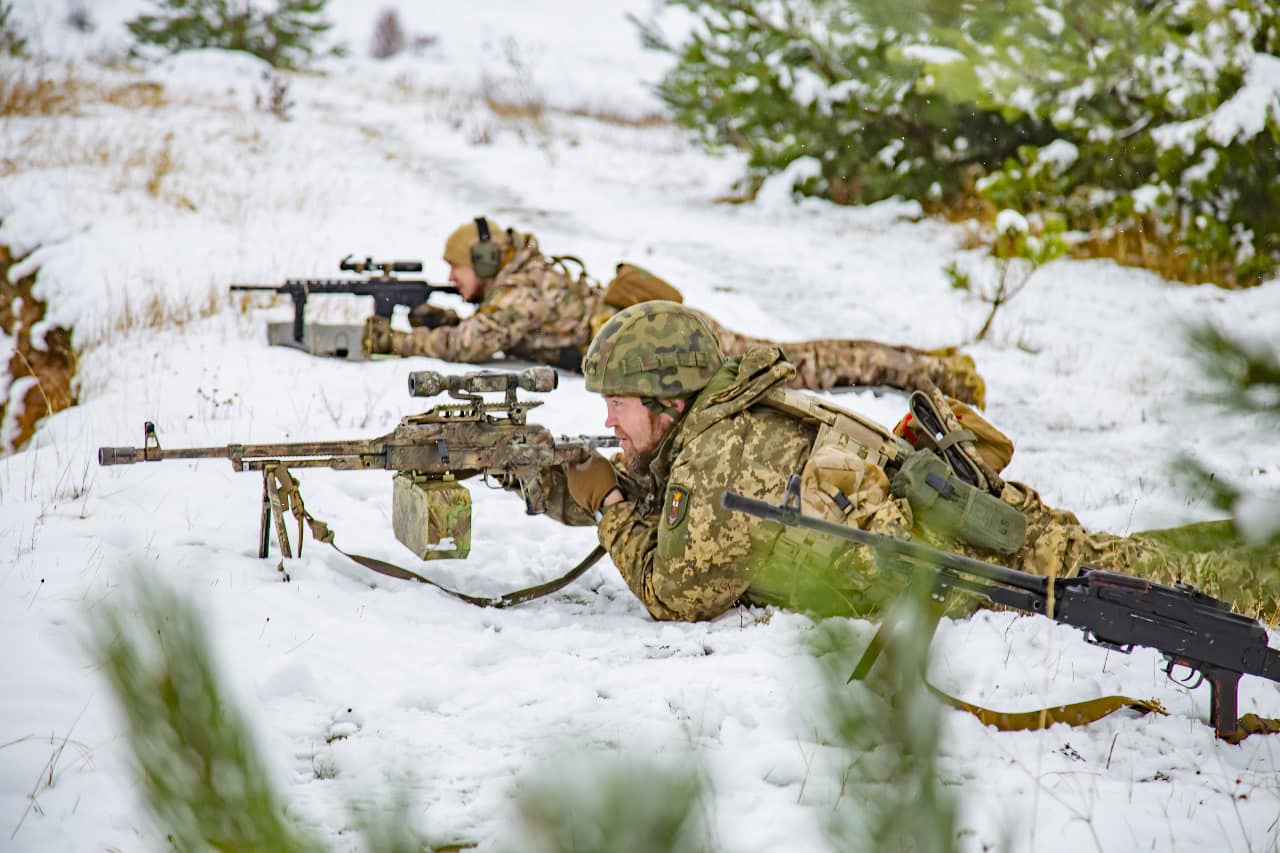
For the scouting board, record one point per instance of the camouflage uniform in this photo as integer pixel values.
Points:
(534, 310)
(834, 362)
(537, 311)
(687, 558)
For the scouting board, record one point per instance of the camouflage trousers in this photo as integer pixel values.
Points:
(1207, 555)
(832, 362)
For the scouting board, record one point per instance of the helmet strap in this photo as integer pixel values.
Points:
(662, 407)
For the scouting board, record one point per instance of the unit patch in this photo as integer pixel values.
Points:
(677, 505)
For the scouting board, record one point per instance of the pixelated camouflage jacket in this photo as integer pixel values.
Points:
(534, 310)
(687, 558)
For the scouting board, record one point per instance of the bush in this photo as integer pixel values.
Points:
(1152, 127)
(284, 35)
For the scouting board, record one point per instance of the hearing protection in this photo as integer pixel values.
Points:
(486, 254)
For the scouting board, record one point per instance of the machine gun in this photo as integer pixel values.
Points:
(1114, 610)
(343, 340)
(432, 451)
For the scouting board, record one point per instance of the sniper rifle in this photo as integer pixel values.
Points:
(1114, 610)
(431, 451)
(387, 290)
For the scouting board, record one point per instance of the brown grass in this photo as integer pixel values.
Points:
(154, 314)
(52, 365)
(31, 90)
(26, 92)
(1135, 243)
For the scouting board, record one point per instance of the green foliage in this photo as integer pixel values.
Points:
(1110, 113)
(284, 33)
(200, 771)
(889, 730)
(613, 805)
(1245, 564)
(11, 41)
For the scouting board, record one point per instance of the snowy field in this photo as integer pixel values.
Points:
(164, 198)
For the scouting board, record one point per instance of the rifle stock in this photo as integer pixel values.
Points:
(1114, 610)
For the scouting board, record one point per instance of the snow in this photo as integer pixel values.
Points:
(1085, 368)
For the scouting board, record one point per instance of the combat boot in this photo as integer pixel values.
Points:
(957, 376)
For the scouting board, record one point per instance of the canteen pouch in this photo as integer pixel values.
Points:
(432, 518)
(946, 504)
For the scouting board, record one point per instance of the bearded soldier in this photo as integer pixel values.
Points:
(693, 424)
(534, 307)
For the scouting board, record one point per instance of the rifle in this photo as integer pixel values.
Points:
(1114, 610)
(431, 511)
(387, 290)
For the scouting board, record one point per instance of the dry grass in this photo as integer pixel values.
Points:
(51, 362)
(156, 313)
(30, 89)
(1137, 242)
(24, 91)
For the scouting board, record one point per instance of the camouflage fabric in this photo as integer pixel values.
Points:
(687, 558)
(833, 362)
(653, 349)
(535, 310)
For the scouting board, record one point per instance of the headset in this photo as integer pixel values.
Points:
(486, 255)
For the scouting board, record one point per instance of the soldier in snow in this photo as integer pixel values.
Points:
(534, 307)
(693, 423)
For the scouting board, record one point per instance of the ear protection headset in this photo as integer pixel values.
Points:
(486, 255)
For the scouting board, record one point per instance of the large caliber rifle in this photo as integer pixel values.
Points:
(431, 451)
(1116, 611)
(381, 283)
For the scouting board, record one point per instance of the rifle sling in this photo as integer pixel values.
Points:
(1074, 714)
(283, 487)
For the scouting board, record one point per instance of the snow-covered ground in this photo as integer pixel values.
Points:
(176, 185)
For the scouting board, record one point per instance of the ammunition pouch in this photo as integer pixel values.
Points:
(430, 517)
(946, 504)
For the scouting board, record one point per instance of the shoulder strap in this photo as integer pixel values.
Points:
(873, 441)
(281, 487)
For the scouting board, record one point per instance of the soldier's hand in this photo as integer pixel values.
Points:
(377, 336)
(431, 316)
(592, 481)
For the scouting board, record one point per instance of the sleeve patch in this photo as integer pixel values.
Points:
(677, 505)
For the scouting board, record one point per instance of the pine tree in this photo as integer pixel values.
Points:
(284, 35)
(1108, 112)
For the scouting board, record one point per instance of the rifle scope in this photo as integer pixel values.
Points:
(369, 265)
(429, 383)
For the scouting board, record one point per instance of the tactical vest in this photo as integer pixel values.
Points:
(940, 500)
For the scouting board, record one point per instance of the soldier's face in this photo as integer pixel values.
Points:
(638, 429)
(468, 283)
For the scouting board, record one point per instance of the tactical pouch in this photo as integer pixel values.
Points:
(432, 518)
(946, 504)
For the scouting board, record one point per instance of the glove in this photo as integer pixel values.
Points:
(590, 482)
(431, 316)
(377, 336)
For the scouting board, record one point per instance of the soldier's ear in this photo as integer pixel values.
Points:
(679, 404)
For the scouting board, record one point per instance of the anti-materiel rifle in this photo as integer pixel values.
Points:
(432, 451)
(1114, 610)
(387, 290)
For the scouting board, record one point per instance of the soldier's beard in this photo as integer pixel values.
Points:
(638, 455)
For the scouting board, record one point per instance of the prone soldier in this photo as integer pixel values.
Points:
(534, 307)
(693, 423)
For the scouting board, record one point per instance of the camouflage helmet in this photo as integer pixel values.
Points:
(656, 350)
